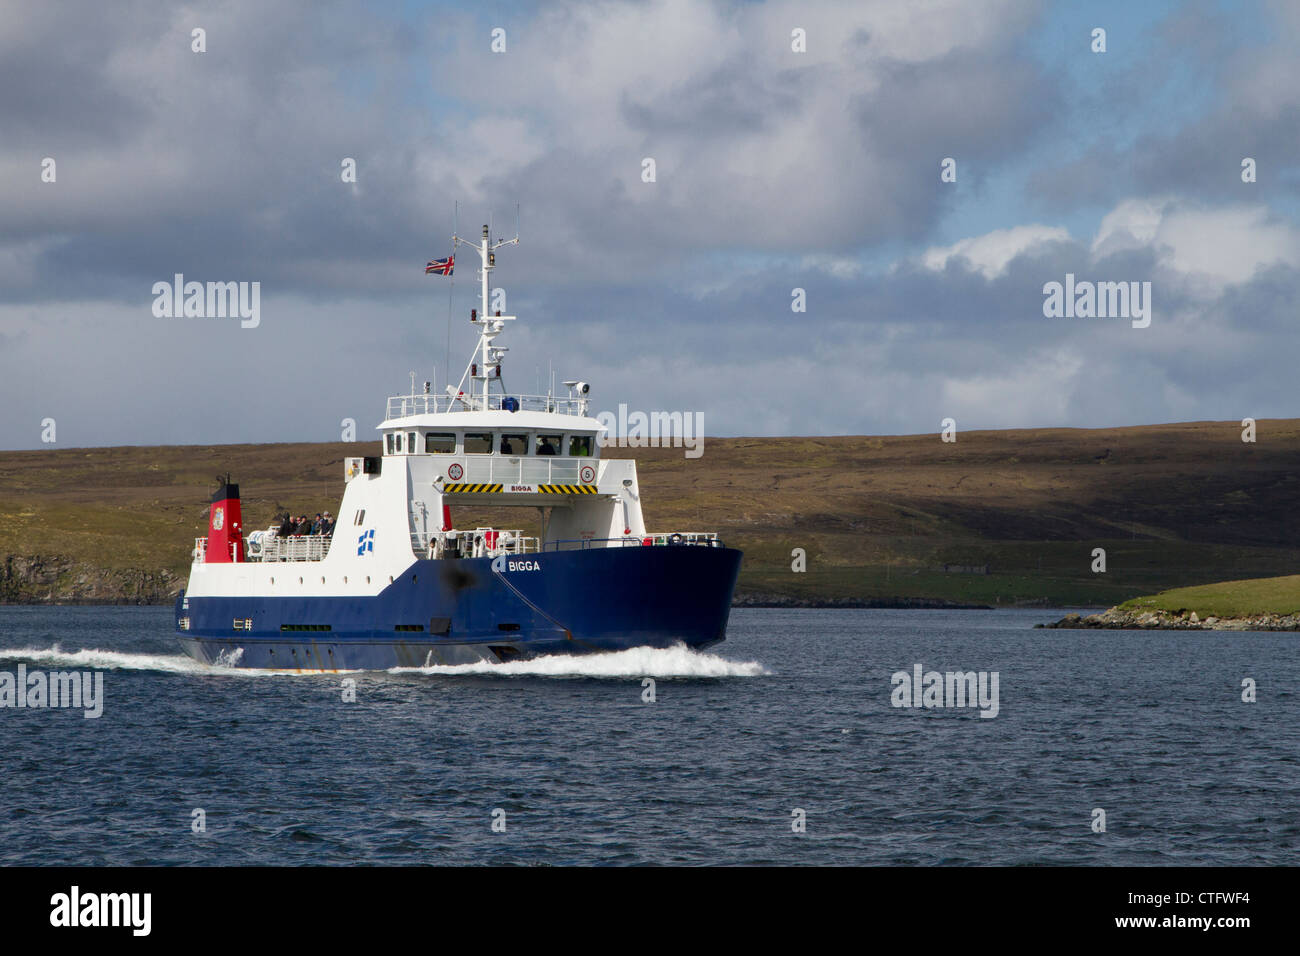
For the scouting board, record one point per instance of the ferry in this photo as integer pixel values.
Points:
(396, 584)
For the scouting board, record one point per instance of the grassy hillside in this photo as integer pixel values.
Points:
(1227, 598)
(1172, 505)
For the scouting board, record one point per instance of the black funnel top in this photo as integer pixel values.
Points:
(227, 490)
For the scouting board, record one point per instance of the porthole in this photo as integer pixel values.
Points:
(367, 579)
(300, 580)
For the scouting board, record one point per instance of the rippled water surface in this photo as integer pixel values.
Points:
(793, 711)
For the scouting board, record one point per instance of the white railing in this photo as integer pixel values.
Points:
(546, 470)
(479, 543)
(707, 539)
(269, 546)
(400, 406)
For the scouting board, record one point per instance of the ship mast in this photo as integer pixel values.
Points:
(485, 361)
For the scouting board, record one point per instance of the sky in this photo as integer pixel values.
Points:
(776, 169)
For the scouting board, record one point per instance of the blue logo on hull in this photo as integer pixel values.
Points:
(366, 543)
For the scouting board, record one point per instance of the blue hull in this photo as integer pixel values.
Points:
(463, 611)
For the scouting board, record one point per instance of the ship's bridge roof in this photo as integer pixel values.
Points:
(540, 421)
(550, 412)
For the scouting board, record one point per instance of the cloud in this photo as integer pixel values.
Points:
(991, 253)
(1219, 245)
(1216, 83)
(1213, 246)
(775, 170)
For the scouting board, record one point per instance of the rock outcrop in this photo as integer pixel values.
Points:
(1160, 620)
(759, 599)
(58, 579)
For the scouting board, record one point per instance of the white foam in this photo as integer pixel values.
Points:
(96, 659)
(677, 661)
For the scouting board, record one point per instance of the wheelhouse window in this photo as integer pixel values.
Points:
(478, 443)
(580, 446)
(514, 444)
(410, 443)
(440, 443)
(391, 444)
(549, 444)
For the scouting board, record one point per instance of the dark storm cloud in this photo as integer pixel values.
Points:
(54, 89)
(226, 164)
(977, 111)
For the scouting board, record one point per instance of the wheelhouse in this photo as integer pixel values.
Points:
(557, 442)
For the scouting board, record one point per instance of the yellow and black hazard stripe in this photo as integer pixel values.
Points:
(472, 489)
(566, 489)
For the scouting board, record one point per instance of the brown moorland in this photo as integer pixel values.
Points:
(997, 517)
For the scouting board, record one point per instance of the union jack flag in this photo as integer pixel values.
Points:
(440, 267)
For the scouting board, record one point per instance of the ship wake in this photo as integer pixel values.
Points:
(673, 662)
(102, 660)
(678, 661)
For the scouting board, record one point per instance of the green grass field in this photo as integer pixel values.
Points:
(1228, 598)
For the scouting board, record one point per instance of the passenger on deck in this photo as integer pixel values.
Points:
(286, 526)
(544, 447)
(506, 447)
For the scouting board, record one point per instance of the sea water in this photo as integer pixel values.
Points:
(786, 744)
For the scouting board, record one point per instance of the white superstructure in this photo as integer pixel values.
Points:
(473, 445)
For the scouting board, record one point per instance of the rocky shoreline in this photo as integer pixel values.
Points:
(1161, 620)
(57, 579)
(912, 604)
